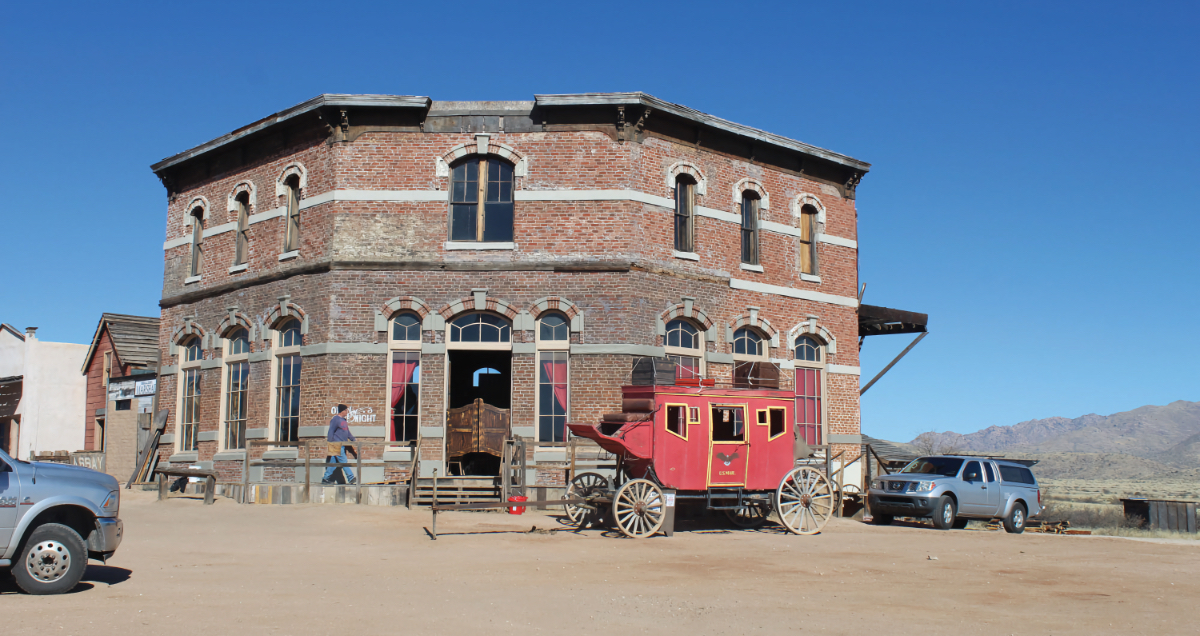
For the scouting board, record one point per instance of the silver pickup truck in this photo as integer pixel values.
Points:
(950, 489)
(53, 518)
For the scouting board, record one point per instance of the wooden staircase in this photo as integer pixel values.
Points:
(455, 490)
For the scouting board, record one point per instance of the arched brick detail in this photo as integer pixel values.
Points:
(251, 192)
(233, 320)
(812, 327)
(752, 319)
(196, 202)
(470, 303)
(550, 303)
(405, 303)
(808, 199)
(188, 329)
(285, 309)
(687, 309)
(508, 153)
(293, 168)
(755, 186)
(690, 169)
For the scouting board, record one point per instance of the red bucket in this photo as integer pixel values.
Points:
(517, 510)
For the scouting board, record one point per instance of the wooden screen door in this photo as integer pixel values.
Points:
(476, 428)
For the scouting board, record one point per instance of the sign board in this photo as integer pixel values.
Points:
(145, 387)
(362, 415)
(89, 459)
(120, 390)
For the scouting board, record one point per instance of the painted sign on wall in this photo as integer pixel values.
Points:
(364, 415)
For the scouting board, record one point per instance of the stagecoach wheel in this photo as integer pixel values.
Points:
(638, 508)
(804, 500)
(583, 486)
(749, 516)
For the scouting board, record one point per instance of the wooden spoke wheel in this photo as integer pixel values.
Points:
(583, 486)
(749, 516)
(804, 500)
(638, 508)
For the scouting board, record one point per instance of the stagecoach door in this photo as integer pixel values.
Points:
(729, 452)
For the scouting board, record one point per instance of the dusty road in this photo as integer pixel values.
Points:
(187, 569)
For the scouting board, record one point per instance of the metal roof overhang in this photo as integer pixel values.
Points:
(882, 321)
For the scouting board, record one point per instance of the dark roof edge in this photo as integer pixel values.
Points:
(12, 330)
(620, 99)
(327, 99)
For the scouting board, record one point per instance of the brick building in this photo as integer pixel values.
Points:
(407, 257)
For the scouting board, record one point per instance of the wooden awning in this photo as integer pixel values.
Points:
(880, 321)
(10, 395)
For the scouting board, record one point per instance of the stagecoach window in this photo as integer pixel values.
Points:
(747, 342)
(406, 328)
(777, 423)
(675, 423)
(808, 349)
(480, 328)
(728, 424)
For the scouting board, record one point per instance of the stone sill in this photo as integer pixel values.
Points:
(191, 279)
(752, 268)
(687, 256)
(473, 245)
(810, 278)
(239, 268)
(287, 256)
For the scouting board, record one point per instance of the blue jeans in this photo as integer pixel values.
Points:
(339, 459)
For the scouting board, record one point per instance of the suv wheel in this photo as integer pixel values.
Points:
(1015, 521)
(51, 561)
(945, 514)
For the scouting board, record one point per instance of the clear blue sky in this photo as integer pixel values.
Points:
(1035, 167)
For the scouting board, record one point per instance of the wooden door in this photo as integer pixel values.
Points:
(460, 429)
(493, 429)
(477, 428)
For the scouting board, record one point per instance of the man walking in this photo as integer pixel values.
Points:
(339, 432)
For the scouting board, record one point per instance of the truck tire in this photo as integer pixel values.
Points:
(945, 514)
(1014, 522)
(51, 561)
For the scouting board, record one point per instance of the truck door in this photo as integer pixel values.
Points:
(993, 488)
(10, 498)
(973, 495)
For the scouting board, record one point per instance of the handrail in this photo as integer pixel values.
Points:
(414, 467)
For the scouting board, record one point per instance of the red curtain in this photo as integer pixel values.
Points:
(808, 404)
(556, 372)
(402, 373)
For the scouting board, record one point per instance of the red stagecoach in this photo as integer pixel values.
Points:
(732, 449)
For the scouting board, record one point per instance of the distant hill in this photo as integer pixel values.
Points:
(1167, 434)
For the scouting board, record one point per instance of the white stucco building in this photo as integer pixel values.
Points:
(42, 394)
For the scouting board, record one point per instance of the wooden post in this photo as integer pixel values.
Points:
(210, 490)
(358, 472)
(162, 487)
(307, 474)
(668, 525)
(246, 474)
(506, 470)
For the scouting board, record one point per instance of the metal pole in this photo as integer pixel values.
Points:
(893, 362)
(307, 474)
(359, 475)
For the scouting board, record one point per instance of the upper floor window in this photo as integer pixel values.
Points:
(481, 201)
(406, 329)
(191, 350)
(289, 334)
(239, 341)
(748, 344)
(750, 203)
(197, 241)
(684, 347)
(685, 202)
(241, 245)
(554, 331)
(808, 239)
(808, 349)
(480, 327)
(291, 236)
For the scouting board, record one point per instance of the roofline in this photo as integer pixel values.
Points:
(5, 325)
(643, 99)
(320, 101)
(104, 319)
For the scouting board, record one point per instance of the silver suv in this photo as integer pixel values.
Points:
(950, 489)
(53, 518)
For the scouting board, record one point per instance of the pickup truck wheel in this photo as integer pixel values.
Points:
(945, 514)
(1014, 523)
(51, 561)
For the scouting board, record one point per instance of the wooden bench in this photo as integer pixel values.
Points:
(210, 481)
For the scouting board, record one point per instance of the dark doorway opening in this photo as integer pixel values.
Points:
(477, 375)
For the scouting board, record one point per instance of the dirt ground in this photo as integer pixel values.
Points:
(189, 569)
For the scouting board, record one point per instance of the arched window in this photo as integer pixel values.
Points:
(405, 377)
(480, 327)
(191, 350)
(237, 386)
(189, 393)
(684, 347)
(241, 247)
(750, 202)
(291, 236)
(287, 381)
(808, 239)
(481, 201)
(553, 341)
(810, 390)
(197, 241)
(748, 344)
(685, 203)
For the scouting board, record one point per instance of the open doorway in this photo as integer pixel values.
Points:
(477, 420)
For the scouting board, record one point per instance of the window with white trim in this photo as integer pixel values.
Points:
(237, 386)
(287, 381)
(291, 235)
(553, 343)
(685, 220)
(404, 377)
(808, 239)
(481, 200)
(810, 389)
(189, 394)
(750, 204)
(241, 246)
(684, 344)
(197, 242)
(480, 327)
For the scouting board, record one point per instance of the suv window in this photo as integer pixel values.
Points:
(987, 468)
(972, 472)
(1016, 474)
(944, 466)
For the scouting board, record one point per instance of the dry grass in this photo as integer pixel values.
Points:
(1105, 518)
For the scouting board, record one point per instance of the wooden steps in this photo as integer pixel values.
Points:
(451, 490)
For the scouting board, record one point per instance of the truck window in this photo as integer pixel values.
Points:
(987, 468)
(972, 473)
(1016, 474)
(944, 466)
